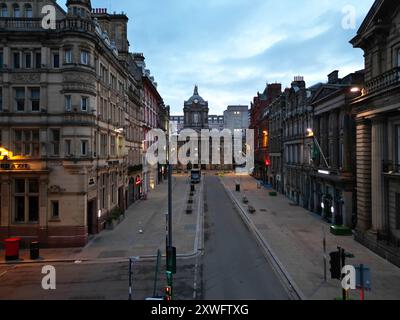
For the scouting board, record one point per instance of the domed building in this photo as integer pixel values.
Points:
(196, 112)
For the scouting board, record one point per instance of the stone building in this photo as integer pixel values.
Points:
(333, 193)
(276, 112)
(196, 112)
(236, 118)
(297, 119)
(259, 123)
(378, 131)
(70, 122)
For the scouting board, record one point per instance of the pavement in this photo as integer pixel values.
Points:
(141, 233)
(294, 239)
(234, 267)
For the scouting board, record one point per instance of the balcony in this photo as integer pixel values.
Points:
(79, 119)
(35, 24)
(383, 82)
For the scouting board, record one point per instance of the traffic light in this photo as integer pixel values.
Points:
(171, 259)
(168, 293)
(335, 265)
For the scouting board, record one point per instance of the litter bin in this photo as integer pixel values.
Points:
(12, 248)
(34, 250)
(237, 187)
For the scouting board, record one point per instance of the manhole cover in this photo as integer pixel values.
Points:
(263, 210)
(112, 254)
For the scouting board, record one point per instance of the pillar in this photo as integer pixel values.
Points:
(379, 143)
(363, 154)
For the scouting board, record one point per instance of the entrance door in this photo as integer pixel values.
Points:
(90, 217)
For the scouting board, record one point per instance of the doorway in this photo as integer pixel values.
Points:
(90, 218)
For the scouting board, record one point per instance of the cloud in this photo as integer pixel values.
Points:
(231, 48)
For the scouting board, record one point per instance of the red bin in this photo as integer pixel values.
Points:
(12, 248)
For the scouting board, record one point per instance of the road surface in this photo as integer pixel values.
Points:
(234, 267)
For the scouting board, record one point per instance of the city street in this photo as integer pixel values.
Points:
(234, 267)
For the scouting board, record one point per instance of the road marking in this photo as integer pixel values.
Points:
(5, 272)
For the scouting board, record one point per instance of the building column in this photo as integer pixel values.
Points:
(377, 182)
(363, 153)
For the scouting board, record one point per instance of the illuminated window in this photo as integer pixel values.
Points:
(265, 139)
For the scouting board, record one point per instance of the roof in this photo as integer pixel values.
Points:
(196, 98)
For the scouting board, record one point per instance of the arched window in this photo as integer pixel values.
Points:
(16, 11)
(28, 11)
(3, 10)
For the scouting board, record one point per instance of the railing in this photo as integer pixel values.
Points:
(35, 24)
(390, 167)
(383, 81)
(81, 119)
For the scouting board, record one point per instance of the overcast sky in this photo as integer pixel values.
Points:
(231, 48)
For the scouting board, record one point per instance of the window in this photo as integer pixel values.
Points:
(68, 103)
(398, 57)
(341, 155)
(20, 99)
(112, 146)
(84, 148)
(85, 57)
(55, 142)
(35, 100)
(26, 200)
(28, 11)
(103, 193)
(3, 11)
(398, 147)
(103, 145)
(16, 60)
(113, 182)
(26, 143)
(84, 103)
(16, 11)
(55, 210)
(38, 60)
(68, 150)
(397, 208)
(28, 60)
(1, 60)
(56, 60)
(68, 56)
(1, 99)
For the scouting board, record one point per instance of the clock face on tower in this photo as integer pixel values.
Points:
(196, 101)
